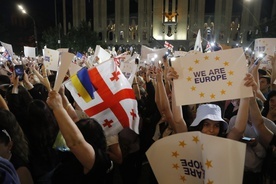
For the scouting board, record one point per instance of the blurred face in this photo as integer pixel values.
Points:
(211, 127)
(5, 151)
(263, 84)
(272, 103)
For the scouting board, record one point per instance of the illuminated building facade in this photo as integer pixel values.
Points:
(151, 22)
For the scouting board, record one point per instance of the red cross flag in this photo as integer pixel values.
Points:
(114, 105)
(8, 47)
(168, 45)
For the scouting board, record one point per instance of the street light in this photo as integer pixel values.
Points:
(35, 33)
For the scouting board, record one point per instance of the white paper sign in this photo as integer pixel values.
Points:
(210, 77)
(265, 45)
(29, 51)
(197, 158)
(66, 59)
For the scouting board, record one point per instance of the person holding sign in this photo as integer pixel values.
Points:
(209, 118)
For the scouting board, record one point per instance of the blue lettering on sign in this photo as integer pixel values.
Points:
(193, 168)
(213, 75)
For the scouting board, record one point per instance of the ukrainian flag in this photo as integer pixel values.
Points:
(83, 85)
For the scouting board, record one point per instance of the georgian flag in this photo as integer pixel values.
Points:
(208, 47)
(168, 45)
(8, 49)
(114, 105)
(6, 55)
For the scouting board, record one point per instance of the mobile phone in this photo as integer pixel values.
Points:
(137, 61)
(19, 71)
(246, 139)
(40, 65)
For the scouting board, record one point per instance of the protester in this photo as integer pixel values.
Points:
(130, 168)
(265, 81)
(269, 110)
(85, 136)
(19, 146)
(5, 82)
(209, 118)
(43, 130)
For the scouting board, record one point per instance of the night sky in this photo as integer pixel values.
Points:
(44, 13)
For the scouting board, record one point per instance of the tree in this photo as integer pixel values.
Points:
(78, 39)
(50, 38)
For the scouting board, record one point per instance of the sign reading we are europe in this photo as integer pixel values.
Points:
(210, 77)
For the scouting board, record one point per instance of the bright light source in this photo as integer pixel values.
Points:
(246, 49)
(173, 58)
(20, 7)
(261, 55)
(212, 44)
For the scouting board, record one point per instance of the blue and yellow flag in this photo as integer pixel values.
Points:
(83, 85)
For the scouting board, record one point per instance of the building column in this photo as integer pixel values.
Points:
(182, 24)
(100, 18)
(197, 14)
(222, 20)
(79, 12)
(144, 21)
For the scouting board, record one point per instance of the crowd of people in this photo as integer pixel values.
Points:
(49, 139)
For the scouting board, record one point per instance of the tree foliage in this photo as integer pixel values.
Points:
(78, 38)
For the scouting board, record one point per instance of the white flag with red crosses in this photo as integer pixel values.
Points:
(114, 105)
(168, 45)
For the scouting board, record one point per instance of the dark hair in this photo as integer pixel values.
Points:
(4, 79)
(20, 145)
(268, 79)
(42, 124)
(266, 103)
(199, 127)
(5, 137)
(43, 130)
(92, 133)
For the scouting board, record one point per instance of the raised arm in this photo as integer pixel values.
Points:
(163, 104)
(179, 122)
(67, 105)
(258, 122)
(83, 151)
(43, 78)
(237, 131)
